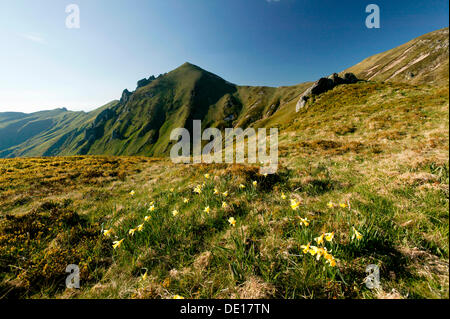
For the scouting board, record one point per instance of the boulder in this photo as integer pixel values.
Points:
(324, 85)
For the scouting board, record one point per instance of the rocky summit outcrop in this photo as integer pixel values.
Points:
(323, 85)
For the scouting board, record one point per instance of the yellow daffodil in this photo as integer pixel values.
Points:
(206, 176)
(175, 212)
(330, 259)
(283, 196)
(198, 189)
(117, 243)
(224, 205)
(305, 248)
(177, 297)
(313, 250)
(329, 236)
(319, 239)
(356, 234)
(255, 183)
(151, 208)
(241, 186)
(330, 204)
(320, 252)
(140, 227)
(225, 194)
(332, 262)
(207, 209)
(304, 221)
(132, 193)
(232, 221)
(216, 191)
(295, 204)
(147, 218)
(107, 232)
(185, 200)
(132, 231)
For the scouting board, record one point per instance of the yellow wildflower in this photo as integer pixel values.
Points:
(140, 227)
(151, 208)
(343, 205)
(329, 236)
(216, 191)
(147, 218)
(304, 221)
(232, 221)
(132, 193)
(295, 204)
(177, 297)
(241, 186)
(198, 189)
(175, 212)
(356, 234)
(206, 176)
(107, 232)
(305, 248)
(330, 259)
(332, 262)
(132, 231)
(144, 276)
(117, 243)
(255, 183)
(224, 205)
(313, 250)
(330, 204)
(320, 252)
(283, 196)
(225, 194)
(207, 209)
(319, 239)
(185, 200)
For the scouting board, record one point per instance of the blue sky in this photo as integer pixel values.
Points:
(44, 65)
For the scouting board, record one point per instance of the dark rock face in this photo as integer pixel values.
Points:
(142, 83)
(125, 96)
(323, 85)
(145, 82)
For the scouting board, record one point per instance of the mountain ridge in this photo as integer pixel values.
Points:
(141, 121)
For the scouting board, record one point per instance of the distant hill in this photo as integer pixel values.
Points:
(141, 121)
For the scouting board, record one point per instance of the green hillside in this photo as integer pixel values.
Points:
(141, 122)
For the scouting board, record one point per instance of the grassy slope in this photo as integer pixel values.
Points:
(422, 60)
(380, 147)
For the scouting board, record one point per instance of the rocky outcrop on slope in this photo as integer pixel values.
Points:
(323, 85)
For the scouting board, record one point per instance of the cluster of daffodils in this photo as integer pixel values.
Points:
(139, 228)
(320, 250)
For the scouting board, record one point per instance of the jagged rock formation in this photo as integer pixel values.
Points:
(323, 85)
